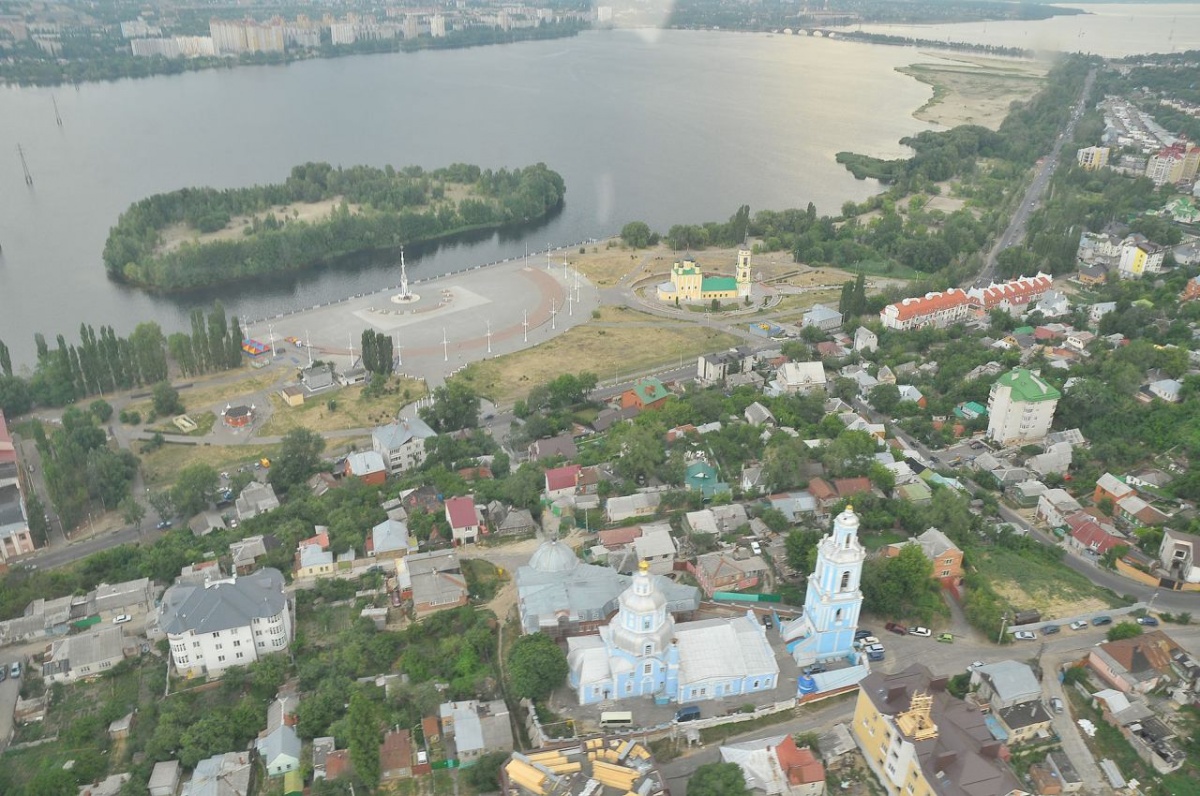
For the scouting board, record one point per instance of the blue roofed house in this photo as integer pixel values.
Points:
(390, 539)
(279, 745)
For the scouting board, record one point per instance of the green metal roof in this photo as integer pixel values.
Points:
(650, 389)
(1027, 387)
(712, 284)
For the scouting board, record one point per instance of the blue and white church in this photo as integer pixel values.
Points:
(642, 652)
(825, 631)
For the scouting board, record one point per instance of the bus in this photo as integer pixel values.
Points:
(616, 718)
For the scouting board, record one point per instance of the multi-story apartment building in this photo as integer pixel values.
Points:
(1020, 408)
(920, 741)
(1014, 294)
(1092, 157)
(933, 309)
(228, 622)
(402, 444)
(1140, 256)
(15, 538)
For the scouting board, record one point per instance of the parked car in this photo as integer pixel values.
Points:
(922, 632)
(3, 674)
(1101, 620)
(1025, 635)
(687, 713)
(1079, 624)
(122, 619)
(816, 668)
(946, 638)
(862, 633)
(768, 622)
(875, 652)
(1057, 704)
(163, 524)
(1148, 621)
(867, 641)
(1050, 630)
(898, 629)
(14, 671)
(975, 665)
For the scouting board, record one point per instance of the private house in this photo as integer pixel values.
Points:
(1055, 505)
(223, 623)
(472, 729)
(946, 557)
(433, 581)
(1005, 684)
(795, 505)
(715, 368)
(917, 738)
(759, 415)
(702, 477)
(647, 393)
(1169, 390)
(1135, 665)
(563, 445)
(1178, 555)
(465, 518)
(368, 467)
(206, 522)
(257, 498)
(84, 656)
(1191, 291)
(1087, 533)
(800, 378)
(314, 559)
(865, 340)
(1111, 487)
(279, 750)
(561, 482)
(396, 756)
(402, 444)
(1135, 512)
(317, 378)
(507, 521)
(777, 767)
(721, 571)
(911, 393)
(656, 548)
(390, 539)
(246, 552)
(639, 504)
(1020, 408)
(321, 749)
(221, 775)
(824, 318)
(1025, 722)
(917, 491)
(164, 779)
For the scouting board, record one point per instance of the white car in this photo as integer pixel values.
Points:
(975, 665)
(122, 619)
(1079, 624)
(867, 641)
(922, 632)
(1025, 635)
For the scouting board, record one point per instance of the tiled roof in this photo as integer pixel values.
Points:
(562, 477)
(929, 303)
(461, 511)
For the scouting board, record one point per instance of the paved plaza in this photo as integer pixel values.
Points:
(447, 322)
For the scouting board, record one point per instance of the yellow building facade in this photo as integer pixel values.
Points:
(688, 282)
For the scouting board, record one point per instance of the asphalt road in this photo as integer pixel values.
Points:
(1015, 233)
(9, 690)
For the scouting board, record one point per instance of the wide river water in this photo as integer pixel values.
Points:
(664, 126)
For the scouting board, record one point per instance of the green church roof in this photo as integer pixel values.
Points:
(1028, 387)
(713, 284)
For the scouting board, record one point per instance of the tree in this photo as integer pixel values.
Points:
(801, 546)
(536, 666)
(364, 738)
(299, 457)
(5, 360)
(132, 512)
(638, 235)
(162, 503)
(166, 400)
(102, 410)
(16, 398)
(1123, 630)
(194, 488)
(884, 398)
(455, 406)
(39, 528)
(717, 779)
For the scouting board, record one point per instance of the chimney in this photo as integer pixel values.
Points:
(944, 760)
(991, 750)
(896, 693)
(938, 683)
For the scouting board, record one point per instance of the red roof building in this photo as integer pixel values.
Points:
(395, 756)
(616, 538)
(337, 764)
(464, 519)
(561, 481)
(933, 309)
(1009, 295)
(849, 487)
(800, 766)
(1087, 534)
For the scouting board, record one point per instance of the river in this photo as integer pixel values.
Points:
(663, 126)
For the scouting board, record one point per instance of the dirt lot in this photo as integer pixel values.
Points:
(975, 90)
(1034, 583)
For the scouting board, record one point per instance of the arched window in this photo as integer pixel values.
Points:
(838, 616)
(845, 581)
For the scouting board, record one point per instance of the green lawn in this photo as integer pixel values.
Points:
(1030, 581)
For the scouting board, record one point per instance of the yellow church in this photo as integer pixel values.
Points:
(688, 282)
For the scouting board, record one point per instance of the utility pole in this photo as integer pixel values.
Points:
(489, 336)
(1003, 624)
(445, 346)
(271, 331)
(57, 118)
(553, 314)
(308, 345)
(24, 166)
(399, 356)
(350, 340)
(570, 302)
(525, 323)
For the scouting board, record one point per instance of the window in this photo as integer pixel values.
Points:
(216, 634)
(628, 686)
(220, 658)
(945, 573)
(648, 669)
(648, 649)
(845, 580)
(220, 646)
(237, 643)
(195, 644)
(755, 684)
(838, 616)
(239, 655)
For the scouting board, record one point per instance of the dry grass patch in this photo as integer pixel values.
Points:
(604, 266)
(606, 351)
(160, 467)
(975, 90)
(352, 409)
(207, 391)
(805, 301)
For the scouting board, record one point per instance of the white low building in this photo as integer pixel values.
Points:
(223, 623)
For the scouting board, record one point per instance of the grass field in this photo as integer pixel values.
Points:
(1051, 588)
(161, 466)
(204, 393)
(352, 409)
(606, 349)
(805, 301)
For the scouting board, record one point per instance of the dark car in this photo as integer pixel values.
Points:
(1148, 621)
(1102, 620)
(898, 629)
(816, 668)
(1050, 630)
(862, 633)
(768, 622)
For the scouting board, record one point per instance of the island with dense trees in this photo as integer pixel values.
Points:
(320, 215)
